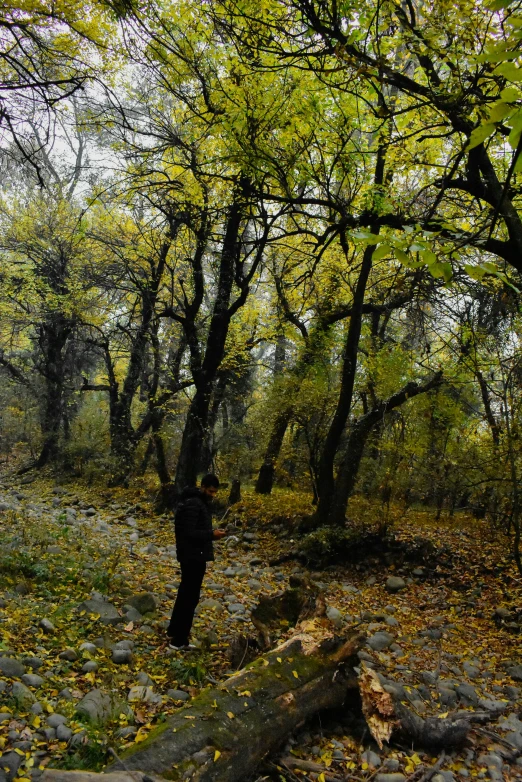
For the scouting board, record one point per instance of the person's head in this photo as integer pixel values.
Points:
(210, 485)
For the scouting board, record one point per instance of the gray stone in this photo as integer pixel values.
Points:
(144, 679)
(5, 716)
(91, 666)
(515, 739)
(46, 625)
(100, 707)
(211, 603)
(143, 694)
(236, 608)
(132, 615)
(123, 733)
(68, 654)
(63, 733)
(334, 615)
(143, 602)
(49, 733)
(37, 708)
(32, 680)
(372, 758)
(394, 584)
(178, 695)
(53, 720)
(32, 662)
(11, 667)
(125, 644)
(65, 694)
(230, 572)
(468, 694)
(22, 588)
(147, 630)
(122, 656)
(391, 621)
(515, 672)
(380, 641)
(448, 697)
(87, 647)
(107, 612)
(470, 670)
(383, 777)
(490, 704)
(490, 760)
(22, 694)
(12, 762)
(391, 764)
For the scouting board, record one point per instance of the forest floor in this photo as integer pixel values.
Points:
(87, 582)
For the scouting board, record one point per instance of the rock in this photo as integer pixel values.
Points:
(492, 705)
(132, 615)
(230, 572)
(371, 580)
(383, 777)
(54, 550)
(490, 760)
(470, 670)
(91, 666)
(144, 679)
(448, 697)
(254, 584)
(68, 654)
(394, 584)
(90, 511)
(66, 694)
(334, 615)
(122, 656)
(32, 680)
(107, 612)
(32, 662)
(12, 762)
(515, 671)
(143, 694)
(391, 764)
(100, 707)
(515, 739)
(211, 603)
(123, 733)
(63, 733)
(53, 720)
(236, 608)
(22, 588)
(380, 641)
(22, 695)
(5, 716)
(11, 667)
(419, 572)
(87, 647)
(372, 758)
(467, 694)
(143, 602)
(46, 625)
(37, 708)
(502, 613)
(147, 630)
(178, 695)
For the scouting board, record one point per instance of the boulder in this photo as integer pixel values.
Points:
(22, 695)
(107, 612)
(100, 707)
(143, 602)
(394, 584)
(380, 641)
(11, 667)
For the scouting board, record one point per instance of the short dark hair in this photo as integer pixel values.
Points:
(210, 480)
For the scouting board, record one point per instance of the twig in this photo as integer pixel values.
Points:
(495, 736)
(430, 772)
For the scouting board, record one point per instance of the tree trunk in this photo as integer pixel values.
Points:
(250, 714)
(196, 425)
(52, 340)
(349, 467)
(265, 479)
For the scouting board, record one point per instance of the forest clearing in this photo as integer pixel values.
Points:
(260, 367)
(447, 639)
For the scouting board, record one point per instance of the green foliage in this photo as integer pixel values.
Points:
(188, 671)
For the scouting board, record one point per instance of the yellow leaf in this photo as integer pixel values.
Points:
(49, 709)
(230, 715)
(19, 752)
(279, 660)
(295, 674)
(36, 722)
(321, 777)
(364, 766)
(246, 693)
(214, 705)
(265, 662)
(189, 717)
(217, 754)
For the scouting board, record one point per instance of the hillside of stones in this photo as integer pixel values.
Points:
(87, 582)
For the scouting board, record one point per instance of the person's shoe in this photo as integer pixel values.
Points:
(182, 648)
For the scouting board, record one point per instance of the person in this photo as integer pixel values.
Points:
(194, 548)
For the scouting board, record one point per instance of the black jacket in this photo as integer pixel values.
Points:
(193, 525)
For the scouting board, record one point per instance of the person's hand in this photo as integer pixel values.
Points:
(219, 533)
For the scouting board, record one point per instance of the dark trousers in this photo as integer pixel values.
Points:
(186, 601)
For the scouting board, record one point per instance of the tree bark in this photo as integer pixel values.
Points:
(265, 479)
(349, 467)
(250, 714)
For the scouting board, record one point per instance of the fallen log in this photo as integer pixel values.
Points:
(223, 734)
